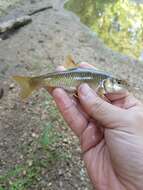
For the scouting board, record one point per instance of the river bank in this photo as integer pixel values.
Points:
(25, 150)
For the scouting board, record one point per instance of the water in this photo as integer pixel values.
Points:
(119, 23)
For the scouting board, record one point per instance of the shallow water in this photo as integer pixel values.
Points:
(119, 23)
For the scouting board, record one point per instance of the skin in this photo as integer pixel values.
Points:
(110, 133)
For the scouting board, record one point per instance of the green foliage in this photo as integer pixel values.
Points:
(48, 152)
(15, 180)
(117, 22)
(49, 136)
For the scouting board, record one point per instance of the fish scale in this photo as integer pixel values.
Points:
(71, 79)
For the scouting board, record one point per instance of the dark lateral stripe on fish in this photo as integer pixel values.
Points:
(77, 72)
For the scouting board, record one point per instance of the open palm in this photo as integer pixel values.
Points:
(111, 136)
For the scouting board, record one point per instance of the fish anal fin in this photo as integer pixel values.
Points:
(70, 63)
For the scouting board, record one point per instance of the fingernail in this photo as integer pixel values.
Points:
(85, 90)
(60, 68)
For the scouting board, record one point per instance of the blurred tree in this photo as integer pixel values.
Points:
(118, 22)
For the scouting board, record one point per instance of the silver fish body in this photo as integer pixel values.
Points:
(70, 80)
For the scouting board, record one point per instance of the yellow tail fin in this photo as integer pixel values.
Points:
(27, 84)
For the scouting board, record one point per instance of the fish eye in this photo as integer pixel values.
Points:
(119, 82)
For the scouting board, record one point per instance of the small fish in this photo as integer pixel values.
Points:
(70, 79)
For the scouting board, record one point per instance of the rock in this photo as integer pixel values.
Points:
(11, 86)
(30, 162)
(14, 23)
(1, 92)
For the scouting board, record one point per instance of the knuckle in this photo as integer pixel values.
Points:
(96, 107)
(68, 107)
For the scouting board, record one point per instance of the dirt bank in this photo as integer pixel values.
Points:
(38, 48)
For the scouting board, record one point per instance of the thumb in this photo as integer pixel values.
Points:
(102, 111)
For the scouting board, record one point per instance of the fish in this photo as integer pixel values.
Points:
(70, 79)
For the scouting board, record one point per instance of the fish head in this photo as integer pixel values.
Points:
(112, 85)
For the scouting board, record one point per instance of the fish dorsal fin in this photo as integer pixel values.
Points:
(70, 63)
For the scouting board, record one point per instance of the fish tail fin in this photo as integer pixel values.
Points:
(27, 84)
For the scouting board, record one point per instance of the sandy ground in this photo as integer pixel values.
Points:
(38, 48)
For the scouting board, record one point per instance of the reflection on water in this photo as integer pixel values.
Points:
(118, 22)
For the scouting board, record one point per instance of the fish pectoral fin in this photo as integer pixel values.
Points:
(49, 88)
(75, 95)
(101, 91)
(27, 85)
(70, 63)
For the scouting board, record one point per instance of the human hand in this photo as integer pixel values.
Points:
(111, 136)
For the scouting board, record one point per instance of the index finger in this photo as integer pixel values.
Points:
(86, 65)
(70, 112)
